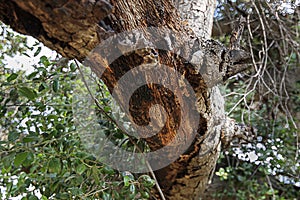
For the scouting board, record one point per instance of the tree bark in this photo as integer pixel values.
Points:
(74, 28)
(198, 15)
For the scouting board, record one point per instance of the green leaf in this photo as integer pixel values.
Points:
(55, 85)
(95, 174)
(29, 160)
(54, 165)
(75, 191)
(30, 139)
(132, 189)
(13, 136)
(116, 194)
(241, 178)
(20, 158)
(27, 92)
(145, 195)
(108, 170)
(43, 70)
(7, 160)
(37, 51)
(25, 54)
(146, 181)
(52, 117)
(13, 94)
(63, 195)
(44, 60)
(106, 196)
(42, 86)
(107, 109)
(60, 127)
(80, 168)
(12, 77)
(32, 197)
(126, 180)
(72, 67)
(44, 198)
(32, 75)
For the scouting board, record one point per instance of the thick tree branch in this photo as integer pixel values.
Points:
(234, 133)
(68, 27)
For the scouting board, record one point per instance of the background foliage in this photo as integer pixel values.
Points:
(267, 98)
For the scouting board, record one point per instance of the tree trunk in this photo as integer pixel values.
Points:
(74, 28)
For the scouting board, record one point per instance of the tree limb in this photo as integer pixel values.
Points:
(233, 133)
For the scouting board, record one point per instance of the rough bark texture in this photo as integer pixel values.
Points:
(198, 15)
(74, 28)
